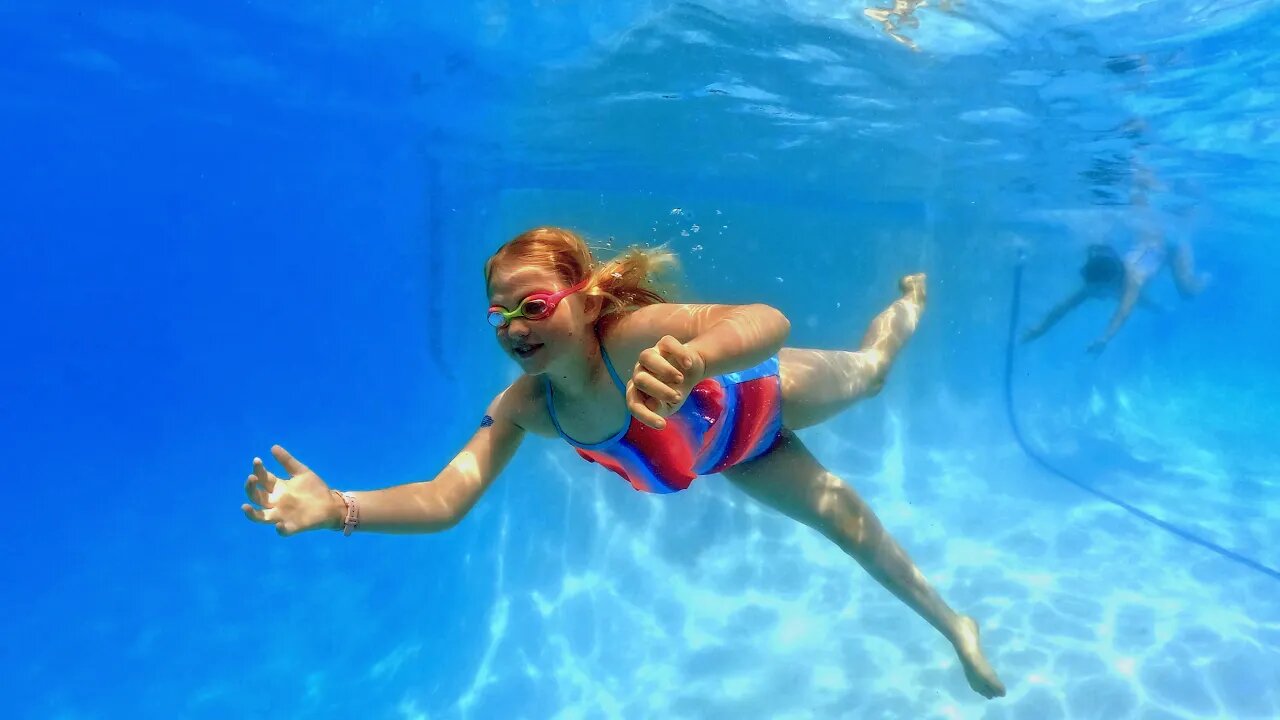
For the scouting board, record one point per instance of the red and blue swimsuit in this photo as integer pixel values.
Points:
(727, 419)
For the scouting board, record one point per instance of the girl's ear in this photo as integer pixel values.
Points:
(594, 304)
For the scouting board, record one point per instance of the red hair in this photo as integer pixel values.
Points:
(625, 283)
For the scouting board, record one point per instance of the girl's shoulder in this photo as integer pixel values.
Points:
(526, 400)
(622, 342)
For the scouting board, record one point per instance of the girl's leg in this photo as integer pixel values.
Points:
(790, 480)
(817, 384)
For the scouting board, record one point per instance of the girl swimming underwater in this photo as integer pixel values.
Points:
(658, 393)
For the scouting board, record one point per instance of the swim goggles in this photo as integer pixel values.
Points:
(538, 306)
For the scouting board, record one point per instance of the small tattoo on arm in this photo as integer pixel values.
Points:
(486, 421)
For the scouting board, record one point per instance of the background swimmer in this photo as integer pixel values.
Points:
(1107, 276)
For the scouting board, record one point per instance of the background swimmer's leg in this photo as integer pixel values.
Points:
(1184, 272)
(817, 384)
(790, 480)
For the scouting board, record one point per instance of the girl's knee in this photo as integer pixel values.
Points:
(877, 371)
(875, 383)
(843, 516)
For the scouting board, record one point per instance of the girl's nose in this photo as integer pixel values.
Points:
(518, 328)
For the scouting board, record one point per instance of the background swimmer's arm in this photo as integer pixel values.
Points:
(1132, 291)
(439, 504)
(728, 337)
(1057, 313)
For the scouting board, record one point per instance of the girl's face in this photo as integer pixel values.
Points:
(537, 344)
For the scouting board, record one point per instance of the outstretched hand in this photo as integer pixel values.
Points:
(661, 380)
(301, 502)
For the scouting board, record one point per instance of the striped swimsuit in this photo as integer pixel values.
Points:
(726, 420)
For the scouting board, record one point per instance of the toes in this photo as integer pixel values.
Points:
(913, 286)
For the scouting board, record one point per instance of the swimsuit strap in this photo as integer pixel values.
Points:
(551, 407)
(622, 387)
(617, 381)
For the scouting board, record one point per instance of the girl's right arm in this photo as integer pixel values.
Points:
(305, 502)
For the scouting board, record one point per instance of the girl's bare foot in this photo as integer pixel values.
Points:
(912, 287)
(912, 304)
(889, 331)
(982, 678)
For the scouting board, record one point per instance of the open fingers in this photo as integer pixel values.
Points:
(291, 464)
(269, 516)
(257, 494)
(265, 477)
(259, 515)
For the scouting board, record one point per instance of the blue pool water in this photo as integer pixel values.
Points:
(236, 225)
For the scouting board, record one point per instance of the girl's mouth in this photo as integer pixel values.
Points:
(524, 352)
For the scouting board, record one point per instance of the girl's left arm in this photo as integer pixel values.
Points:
(726, 337)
